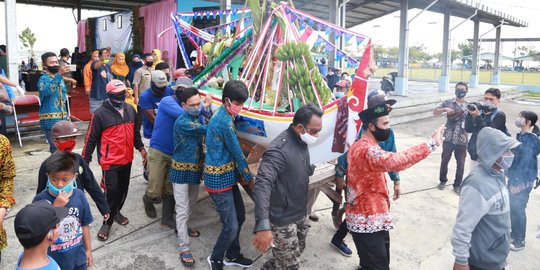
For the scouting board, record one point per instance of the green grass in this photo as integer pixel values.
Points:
(535, 95)
(507, 77)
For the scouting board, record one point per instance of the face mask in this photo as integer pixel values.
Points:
(234, 109)
(381, 134)
(157, 90)
(520, 121)
(460, 93)
(117, 100)
(68, 188)
(490, 105)
(506, 162)
(339, 94)
(149, 63)
(193, 111)
(308, 138)
(68, 145)
(53, 69)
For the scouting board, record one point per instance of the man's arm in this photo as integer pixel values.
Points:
(273, 163)
(93, 189)
(42, 178)
(136, 82)
(150, 115)
(187, 128)
(93, 135)
(472, 207)
(379, 160)
(440, 109)
(232, 144)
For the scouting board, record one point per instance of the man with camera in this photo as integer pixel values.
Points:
(455, 136)
(484, 114)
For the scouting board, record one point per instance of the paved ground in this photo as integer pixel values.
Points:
(424, 217)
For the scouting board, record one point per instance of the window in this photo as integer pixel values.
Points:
(119, 22)
(104, 24)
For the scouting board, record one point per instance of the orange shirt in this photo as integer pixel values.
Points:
(87, 73)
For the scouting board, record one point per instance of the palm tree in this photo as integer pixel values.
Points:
(28, 39)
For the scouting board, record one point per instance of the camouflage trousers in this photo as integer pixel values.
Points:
(290, 242)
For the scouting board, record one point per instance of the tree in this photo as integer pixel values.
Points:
(418, 54)
(466, 50)
(28, 40)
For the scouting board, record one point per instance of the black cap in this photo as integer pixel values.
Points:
(375, 112)
(377, 97)
(36, 219)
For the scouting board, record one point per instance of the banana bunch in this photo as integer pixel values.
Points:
(301, 72)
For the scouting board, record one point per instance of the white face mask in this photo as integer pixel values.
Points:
(308, 139)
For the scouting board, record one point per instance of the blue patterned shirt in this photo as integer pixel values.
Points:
(225, 160)
(52, 94)
(188, 156)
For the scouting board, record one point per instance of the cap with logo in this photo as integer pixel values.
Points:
(159, 78)
(36, 219)
(64, 129)
(115, 86)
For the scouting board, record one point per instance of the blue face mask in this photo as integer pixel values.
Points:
(193, 111)
(339, 94)
(68, 188)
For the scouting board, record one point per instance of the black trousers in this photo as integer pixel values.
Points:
(460, 153)
(472, 267)
(116, 188)
(341, 232)
(373, 250)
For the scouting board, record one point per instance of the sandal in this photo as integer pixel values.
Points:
(103, 233)
(120, 219)
(193, 232)
(187, 259)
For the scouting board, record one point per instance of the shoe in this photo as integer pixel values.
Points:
(214, 265)
(239, 261)
(313, 217)
(149, 208)
(167, 212)
(517, 245)
(157, 200)
(342, 248)
(441, 185)
(457, 190)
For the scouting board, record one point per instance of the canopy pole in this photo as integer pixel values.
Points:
(11, 38)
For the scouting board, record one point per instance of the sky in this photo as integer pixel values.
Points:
(56, 28)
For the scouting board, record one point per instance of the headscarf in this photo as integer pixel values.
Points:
(129, 98)
(158, 53)
(117, 68)
(133, 66)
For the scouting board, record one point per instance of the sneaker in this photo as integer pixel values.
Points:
(457, 190)
(517, 245)
(441, 185)
(239, 261)
(149, 208)
(214, 265)
(342, 248)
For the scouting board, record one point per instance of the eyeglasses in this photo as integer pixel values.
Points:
(312, 131)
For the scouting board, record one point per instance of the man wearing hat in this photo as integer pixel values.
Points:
(149, 100)
(368, 211)
(160, 153)
(115, 131)
(36, 228)
(64, 135)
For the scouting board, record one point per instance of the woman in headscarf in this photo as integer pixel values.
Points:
(135, 64)
(156, 53)
(119, 68)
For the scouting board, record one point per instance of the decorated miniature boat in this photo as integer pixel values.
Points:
(274, 60)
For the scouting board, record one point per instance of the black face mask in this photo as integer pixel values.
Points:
(380, 134)
(53, 69)
(157, 90)
(149, 63)
(117, 100)
(460, 93)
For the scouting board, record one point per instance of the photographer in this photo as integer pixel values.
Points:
(455, 137)
(484, 114)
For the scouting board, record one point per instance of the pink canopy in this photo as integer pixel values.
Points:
(81, 35)
(157, 18)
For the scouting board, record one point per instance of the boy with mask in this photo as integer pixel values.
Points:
(455, 136)
(481, 235)
(36, 227)
(64, 135)
(223, 163)
(52, 94)
(115, 131)
(149, 100)
(73, 249)
(368, 210)
(142, 77)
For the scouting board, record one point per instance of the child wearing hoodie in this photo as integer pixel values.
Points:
(522, 175)
(480, 238)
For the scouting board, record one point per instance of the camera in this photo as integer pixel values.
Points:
(483, 107)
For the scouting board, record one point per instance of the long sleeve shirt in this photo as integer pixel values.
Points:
(52, 94)
(188, 156)
(226, 159)
(524, 170)
(496, 120)
(368, 201)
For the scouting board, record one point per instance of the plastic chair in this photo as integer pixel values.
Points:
(27, 104)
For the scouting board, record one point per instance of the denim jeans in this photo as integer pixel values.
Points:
(518, 217)
(232, 214)
(48, 136)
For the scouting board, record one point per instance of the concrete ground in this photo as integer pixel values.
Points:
(424, 217)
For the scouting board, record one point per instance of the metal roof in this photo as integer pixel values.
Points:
(110, 5)
(361, 11)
